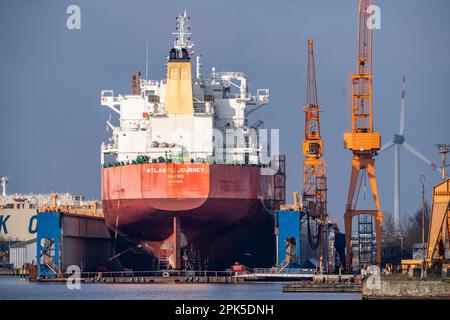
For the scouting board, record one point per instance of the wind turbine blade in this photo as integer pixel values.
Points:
(402, 108)
(416, 153)
(386, 146)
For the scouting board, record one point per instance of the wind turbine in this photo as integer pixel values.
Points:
(397, 141)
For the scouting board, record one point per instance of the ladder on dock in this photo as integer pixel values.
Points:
(163, 259)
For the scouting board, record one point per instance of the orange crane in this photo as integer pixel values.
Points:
(362, 140)
(314, 168)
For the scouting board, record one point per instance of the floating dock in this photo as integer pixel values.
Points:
(137, 277)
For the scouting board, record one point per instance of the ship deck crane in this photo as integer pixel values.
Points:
(314, 167)
(362, 140)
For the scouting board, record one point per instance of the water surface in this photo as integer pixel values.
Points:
(13, 289)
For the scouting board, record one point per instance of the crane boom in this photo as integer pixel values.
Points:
(313, 147)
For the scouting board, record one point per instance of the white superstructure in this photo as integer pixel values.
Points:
(184, 119)
(18, 212)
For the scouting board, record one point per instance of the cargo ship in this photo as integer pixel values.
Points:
(184, 174)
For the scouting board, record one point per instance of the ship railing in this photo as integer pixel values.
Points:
(196, 157)
(284, 271)
(234, 74)
(109, 147)
(199, 107)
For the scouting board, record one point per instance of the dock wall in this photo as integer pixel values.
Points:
(408, 289)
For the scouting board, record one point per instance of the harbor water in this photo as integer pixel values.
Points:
(11, 288)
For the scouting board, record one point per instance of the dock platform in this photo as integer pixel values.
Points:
(327, 283)
(136, 277)
(322, 287)
(271, 274)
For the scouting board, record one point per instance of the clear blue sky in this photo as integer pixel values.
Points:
(51, 123)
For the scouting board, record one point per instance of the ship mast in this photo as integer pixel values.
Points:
(183, 34)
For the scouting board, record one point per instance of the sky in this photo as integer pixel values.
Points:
(52, 124)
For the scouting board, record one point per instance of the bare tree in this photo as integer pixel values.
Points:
(398, 245)
(392, 241)
(413, 230)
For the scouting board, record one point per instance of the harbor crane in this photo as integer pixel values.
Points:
(314, 167)
(362, 140)
(438, 243)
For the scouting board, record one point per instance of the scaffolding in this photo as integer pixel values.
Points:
(366, 239)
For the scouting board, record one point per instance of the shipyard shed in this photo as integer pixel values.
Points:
(65, 239)
(22, 253)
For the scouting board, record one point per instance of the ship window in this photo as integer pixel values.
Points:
(150, 92)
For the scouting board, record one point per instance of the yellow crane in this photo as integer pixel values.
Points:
(438, 242)
(314, 167)
(362, 140)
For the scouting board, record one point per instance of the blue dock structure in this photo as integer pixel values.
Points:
(68, 236)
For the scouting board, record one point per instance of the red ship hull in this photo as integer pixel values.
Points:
(222, 211)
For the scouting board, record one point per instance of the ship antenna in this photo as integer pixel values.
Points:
(182, 33)
(146, 60)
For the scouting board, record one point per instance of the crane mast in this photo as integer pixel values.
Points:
(362, 140)
(362, 120)
(314, 168)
